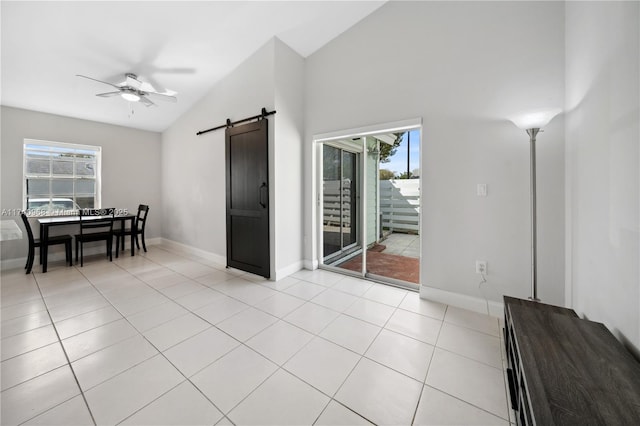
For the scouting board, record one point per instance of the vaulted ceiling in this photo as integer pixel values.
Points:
(183, 46)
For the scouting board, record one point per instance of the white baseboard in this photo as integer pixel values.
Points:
(475, 304)
(471, 303)
(288, 270)
(310, 264)
(221, 260)
(153, 241)
(8, 264)
(186, 249)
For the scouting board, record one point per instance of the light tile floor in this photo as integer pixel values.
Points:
(163, 338)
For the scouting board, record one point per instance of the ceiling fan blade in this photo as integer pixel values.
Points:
(99, 81)
(147, 87)
(146, 102)
(163, 97)
(183, 70)
(108, 94)
(157, 87)
(132, 81)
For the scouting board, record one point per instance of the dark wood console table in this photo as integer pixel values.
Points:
(564, 370)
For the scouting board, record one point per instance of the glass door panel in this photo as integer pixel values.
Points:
(371, 206)
(331, 204)
(393, 204)
(349, 199)
(340, 221)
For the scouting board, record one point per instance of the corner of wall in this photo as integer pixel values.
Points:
(288, 162)
(602, 164)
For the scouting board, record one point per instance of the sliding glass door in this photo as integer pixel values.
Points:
(340, 202)
(370, 205)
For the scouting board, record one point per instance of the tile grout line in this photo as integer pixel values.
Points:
(144, 337)
(279, 367)
(415, 412)
(463, 356)
(468, 403)
(161, 353)
(361, 297)
(342, 405)
(84, 398)
(424, 382)
(444, 314)
(225, 414)
(468, 358)
(363, 357)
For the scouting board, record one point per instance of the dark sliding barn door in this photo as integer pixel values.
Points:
(248, 198)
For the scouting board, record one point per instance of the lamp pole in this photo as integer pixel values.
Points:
(534, 244)
(532, 122)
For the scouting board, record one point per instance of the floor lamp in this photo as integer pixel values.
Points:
(532, 123)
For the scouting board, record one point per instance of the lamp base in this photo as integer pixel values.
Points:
(533, 299)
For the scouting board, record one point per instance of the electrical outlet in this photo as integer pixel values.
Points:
(481, 267)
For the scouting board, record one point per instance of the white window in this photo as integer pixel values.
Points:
(59, 177)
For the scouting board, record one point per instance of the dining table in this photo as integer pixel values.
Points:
(48, 222)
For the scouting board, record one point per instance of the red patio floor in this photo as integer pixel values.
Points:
(386, 265)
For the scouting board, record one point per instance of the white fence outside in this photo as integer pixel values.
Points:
(336, 210)
(400, 204)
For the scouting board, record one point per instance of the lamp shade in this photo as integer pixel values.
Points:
(534, 119)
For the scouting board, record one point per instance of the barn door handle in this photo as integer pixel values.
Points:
(263, 186)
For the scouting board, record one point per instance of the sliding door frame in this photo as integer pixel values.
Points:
(356, 188)
(361, 132)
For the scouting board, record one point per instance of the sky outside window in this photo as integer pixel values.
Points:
(398, 162)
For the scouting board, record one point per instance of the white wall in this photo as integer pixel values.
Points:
(463, 67)
(130, 164)
(288, 162)
(602, 179)
(193, 167)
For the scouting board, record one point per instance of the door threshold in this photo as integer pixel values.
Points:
(391, 282)
(343, 258)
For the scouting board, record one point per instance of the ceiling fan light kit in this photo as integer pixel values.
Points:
(135, 90)
(130, 96)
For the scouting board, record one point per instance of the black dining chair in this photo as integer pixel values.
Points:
(138, 229)
(95, 229)
(33, 243)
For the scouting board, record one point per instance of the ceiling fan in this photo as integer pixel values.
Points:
(134, 90)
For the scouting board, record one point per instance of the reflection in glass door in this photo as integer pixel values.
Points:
(340, 202)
